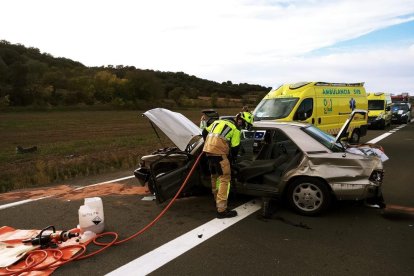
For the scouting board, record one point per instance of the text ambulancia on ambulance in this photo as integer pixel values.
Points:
(325, 105)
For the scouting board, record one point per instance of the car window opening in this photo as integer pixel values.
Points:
(324, 138)
(273, 156)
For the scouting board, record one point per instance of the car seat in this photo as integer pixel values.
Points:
(273, 178)
(249, 170)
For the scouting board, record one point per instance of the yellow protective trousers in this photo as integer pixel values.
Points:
(220, 179)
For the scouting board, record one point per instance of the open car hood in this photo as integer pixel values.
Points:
(178, 128)
(345, 126)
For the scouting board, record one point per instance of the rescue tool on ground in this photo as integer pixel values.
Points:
(48, 237)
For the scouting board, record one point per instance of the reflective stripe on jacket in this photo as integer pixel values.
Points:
(222, 135)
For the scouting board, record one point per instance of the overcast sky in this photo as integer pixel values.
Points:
(266, 42)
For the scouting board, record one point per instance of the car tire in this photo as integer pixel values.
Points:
(308, 196)
(355, 136)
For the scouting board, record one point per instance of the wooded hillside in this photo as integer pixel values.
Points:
(31, 78)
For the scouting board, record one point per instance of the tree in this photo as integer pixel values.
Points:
(18, 77)
(104, 86)
(176, 94)
(3, 72)
(214, 99)
(83, 88)
(56, 80)
(144, 86)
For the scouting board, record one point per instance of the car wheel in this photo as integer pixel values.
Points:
(355, 137)
(308, 196)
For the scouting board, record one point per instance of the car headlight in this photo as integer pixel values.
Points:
(377, 176)
(380, 116)
(403, 115)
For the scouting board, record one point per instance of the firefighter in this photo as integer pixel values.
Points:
(222, 141)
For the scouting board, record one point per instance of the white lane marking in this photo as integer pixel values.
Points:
(160, 256)
(5, 206)
(379, 138)
(106, 182)
(384, 135)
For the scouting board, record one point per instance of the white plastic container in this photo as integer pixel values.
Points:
(86, 236)
(91, 215)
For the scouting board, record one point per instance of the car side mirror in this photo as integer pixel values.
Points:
(388, 108)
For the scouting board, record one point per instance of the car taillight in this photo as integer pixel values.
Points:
(377, 176)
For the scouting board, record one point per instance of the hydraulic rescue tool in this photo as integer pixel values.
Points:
(48, 237)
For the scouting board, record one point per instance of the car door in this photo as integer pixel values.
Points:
(167, 177)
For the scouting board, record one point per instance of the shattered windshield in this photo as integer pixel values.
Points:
(324, 138)
(375, 105)
(269, 109)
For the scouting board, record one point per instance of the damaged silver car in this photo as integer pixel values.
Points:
(296, 162)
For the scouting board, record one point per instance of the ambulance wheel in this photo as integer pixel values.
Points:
(355, 137)
(308, 196)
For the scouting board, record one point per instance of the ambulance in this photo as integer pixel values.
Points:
(325, 105)
(379, 109)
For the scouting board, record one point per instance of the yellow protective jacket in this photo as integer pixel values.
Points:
(222, 135)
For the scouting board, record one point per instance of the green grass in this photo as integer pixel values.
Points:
(75, 143)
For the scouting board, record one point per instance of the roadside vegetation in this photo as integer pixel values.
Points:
(72, 144)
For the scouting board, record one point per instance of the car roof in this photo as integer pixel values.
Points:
(271, 124)
(295, 132)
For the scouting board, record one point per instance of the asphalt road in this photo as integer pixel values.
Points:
(350, 239)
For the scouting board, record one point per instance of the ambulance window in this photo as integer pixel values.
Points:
(305, 107)
(376, 105)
